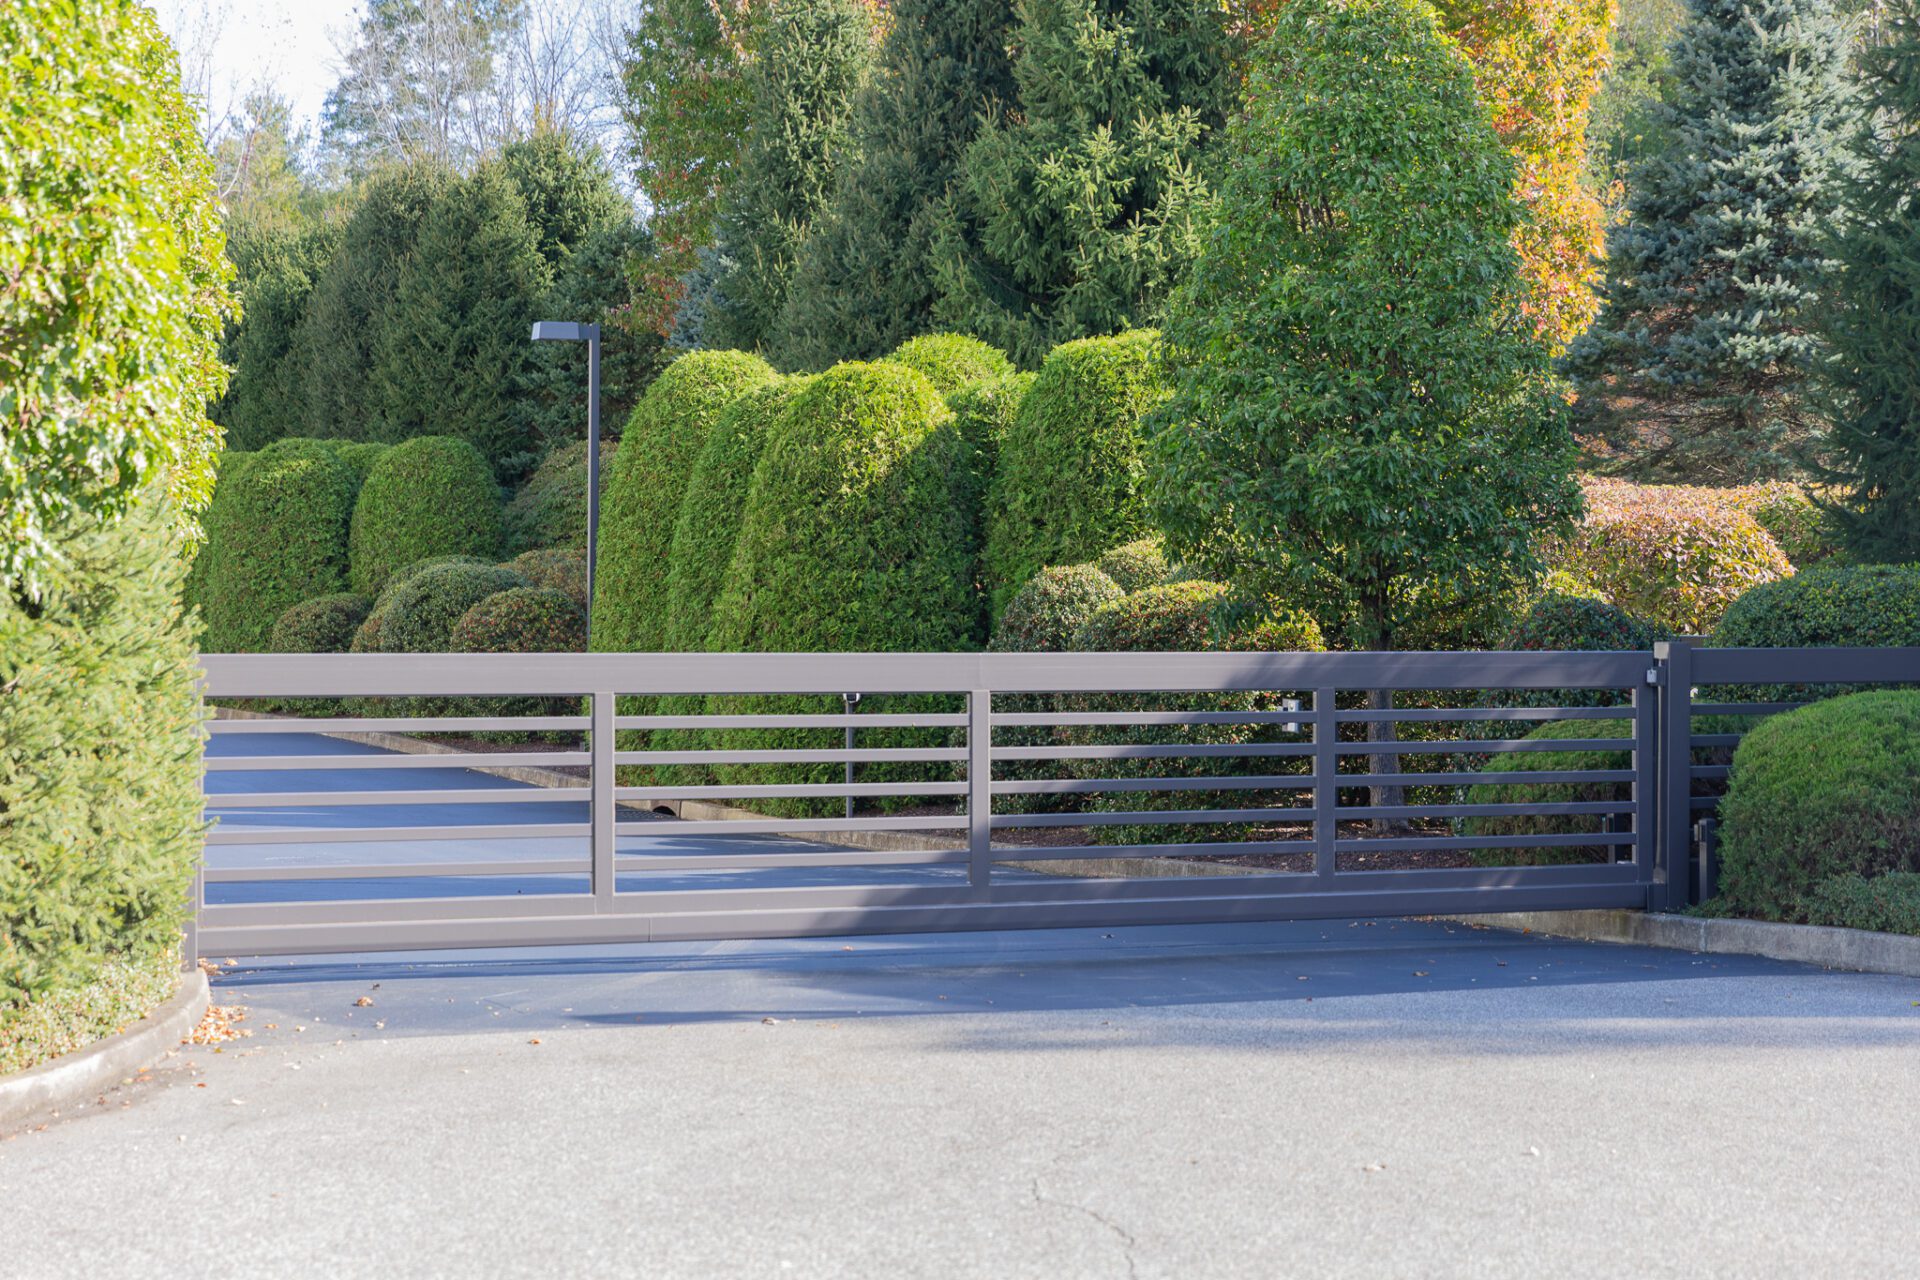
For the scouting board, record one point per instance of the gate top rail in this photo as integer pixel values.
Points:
(335, 674)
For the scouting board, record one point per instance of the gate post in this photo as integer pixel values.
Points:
(600, 800)
(1326, 790)
(979, 788)
(1674, 659)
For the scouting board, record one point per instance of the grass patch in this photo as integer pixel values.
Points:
(64, 1019)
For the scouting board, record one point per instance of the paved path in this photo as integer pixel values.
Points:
(1336, 1098)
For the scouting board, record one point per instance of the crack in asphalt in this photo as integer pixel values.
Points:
(1127, 1242)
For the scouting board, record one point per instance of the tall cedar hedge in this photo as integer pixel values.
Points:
(429, 496)
(640, 504)
(1068, 483)
(276, 535)
(951, 361)
(100, 779)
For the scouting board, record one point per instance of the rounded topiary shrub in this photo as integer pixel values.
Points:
(713, 508)
(1827, 790)
(1868, 606)
(521, 620)
(1067, 484)
(276, 537)
(1566, 622)
(1045, 615)
(1138, 565)
(227, 467)
(358, 455)
(1675, 556)
(857, 538)
(951, 361)
(551, 508)
(1803, 531)
(1551, 793)
(560, 569)
(1183, 617)
(418, 616)
(324, 624)
(429, 496)
(640, 505)
(1887, 903)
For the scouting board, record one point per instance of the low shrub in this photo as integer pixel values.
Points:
(1826, 790)
(1563, 622)
(277, 535)
(1675, 556)
(1885, 904)
(951, 361)
(1866, 606)
(640, 505)
(324, 624)
(100, 734)
(521, 620)
(1802, 529)
(551, 508)
(425, 497)
(1136, 566)
(419, 615)
(1550, 793)
(1045, 615)
(561, 569)
(1067, 485)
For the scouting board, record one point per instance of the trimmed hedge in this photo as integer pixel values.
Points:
(193, 592)
(715, 504)
(1803, 531)
(1045, 615)
(429, 496)
(324, 624)
(951, 361)
(1866, 606)
(1827, 790)
(1886, 903)
(561, 569)
(277, 536)
(1550, 793)
(1581, 622)
(100, 824)
(985, 412)
(551, 508)
(1068, 482)
(640, 506)
(521, 620)
(1674, 555)
(359, 457)
(1138, 565)
(419, 615)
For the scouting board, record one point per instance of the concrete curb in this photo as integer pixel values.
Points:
(82, 1074)
(1856, 950)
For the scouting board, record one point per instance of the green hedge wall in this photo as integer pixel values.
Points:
(429, 496)
(640, 505)
(551, 508)
(951, 361)
(1868, 606)
(277, 534)
(1067, 486)
(99, 759)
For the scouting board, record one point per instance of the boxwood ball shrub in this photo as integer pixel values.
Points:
(561, 569)
(419, 615)
(1137, 565)
(551, 508)
(1597, 758)
(1045, 615)
(521, 620)
(1068, 482)
(1830, 789)
(1867, 606)
(951, 361)
(324, 624)
(1886, 903)
(100, 719)
(640, 505)
(429, 496)
(278, 537)
(857, 537)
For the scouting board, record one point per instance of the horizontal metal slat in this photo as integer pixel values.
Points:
(1384, 844)
(461, 760)
(1483, 746)
(753, 826)
(1566, 808)
(745, 861)
(1148, 817)
(225, 834)
(448, 796)
(1041, 719)
(399, 724)
(1207, 849)
(1471, 778)
(874, 720)
(1415, 715)
(1743, 708)
(1155, 751)
(871, 755)
(391, 871)
(784, 790)
(1084, 786)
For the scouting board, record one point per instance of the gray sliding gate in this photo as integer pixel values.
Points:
(417, 801)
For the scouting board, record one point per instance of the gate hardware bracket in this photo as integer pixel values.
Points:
(1653, 675)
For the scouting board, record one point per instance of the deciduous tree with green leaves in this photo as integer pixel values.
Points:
(1362, 416)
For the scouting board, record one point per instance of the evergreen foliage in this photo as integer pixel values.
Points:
(280, 538)
(567, 192)
(864, 280)
(425, 497)
(116, 282)
(640, 504)
(521, 620)
(419, 615)
(561, 569)
(1077, 206)
(1871, 323)
(1137, 565)
(1068, 480)
(1698, 357)
(1047, 613)
(454, 353)
(1362, 416)
(951, 361)
(264, 402)
(551, 508)
(324, 624)
(809, 65)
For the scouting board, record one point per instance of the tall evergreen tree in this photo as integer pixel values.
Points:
(1871, 326)
(1696, 365)
(812, 61)
(340, 334)
(567, 189)
(454, 355)
(1077, 206)
(277, 275)
(864, 280)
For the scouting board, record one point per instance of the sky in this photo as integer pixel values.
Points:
(286, 43)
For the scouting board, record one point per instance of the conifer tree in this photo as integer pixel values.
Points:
(864, 280)
(1696, 365)
(1871, 326)
(567, 189)
(811, 62)
(1077, 206)
(277, 274)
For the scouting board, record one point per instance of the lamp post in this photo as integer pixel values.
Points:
(568, 331)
